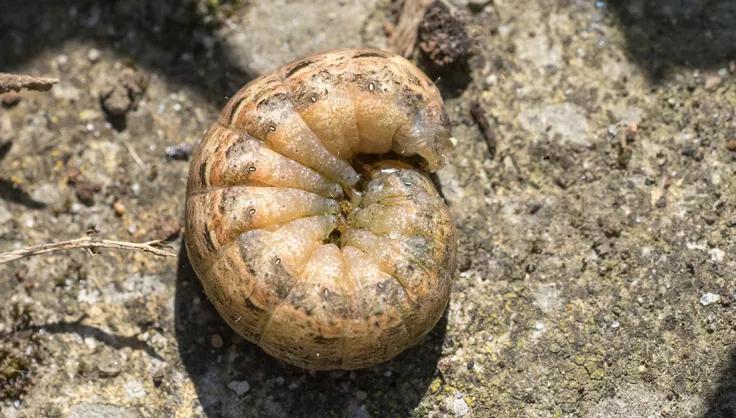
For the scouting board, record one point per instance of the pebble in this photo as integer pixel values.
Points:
(712, 81)
(709, 299)
(10, 98)
(119, 208)
(240, 387)
(731, 145)
(109, 364)
(216, 341)
(180, 151)
(93, 55)
(62, 60)
(459, 407)
(134, 389)
(717, 255)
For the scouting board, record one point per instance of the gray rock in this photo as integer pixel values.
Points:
(240, 387)
(99, 410)
(458, 405)
(539, 50)
(109, 364)
(134, 389)
(275, 32)
(562, 122)
(709, 299)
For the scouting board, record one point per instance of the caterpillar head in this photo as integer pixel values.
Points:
(428, 136)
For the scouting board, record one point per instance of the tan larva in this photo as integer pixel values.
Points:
(323, 255)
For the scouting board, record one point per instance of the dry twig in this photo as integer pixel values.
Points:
(17, 82)
(404, 37)
(489, 134)
(88, 242)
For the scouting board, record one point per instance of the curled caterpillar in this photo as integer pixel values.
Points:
(310, 228)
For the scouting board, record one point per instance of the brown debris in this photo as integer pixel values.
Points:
(403, 37)
(168, 230)
(17, 82)
(121, 94)
(731, 145)
(10, 98)
(84, 189)
(119, 208)
(442, 36)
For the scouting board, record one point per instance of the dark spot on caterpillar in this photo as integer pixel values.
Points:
(371, 54)
(273, 102)
(208, 240)
(228, 199)
(298, 66)
(203, 173)
(257, 258)
(322, 340)
(234, 110)
(414, 80)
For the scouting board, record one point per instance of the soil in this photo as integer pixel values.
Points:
(593, 183)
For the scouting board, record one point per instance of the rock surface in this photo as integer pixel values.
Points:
(598, 244)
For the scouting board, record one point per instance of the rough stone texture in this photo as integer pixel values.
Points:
(271, 33)
(582, 268)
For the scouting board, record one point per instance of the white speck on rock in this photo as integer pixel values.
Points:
(98, 410)
(565, 123)
(539, 49)
(88, 296)
(93, 55)
(717, 254)
(458, 405)
(240, 387)
(709, 299)
(547, 297)
(134, 389)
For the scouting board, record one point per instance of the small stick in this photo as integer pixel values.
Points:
(404, 37)
(134, 155)
(489, 134)
(17, 82)
(87, 242)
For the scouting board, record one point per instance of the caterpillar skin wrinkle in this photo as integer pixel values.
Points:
(310, 228)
